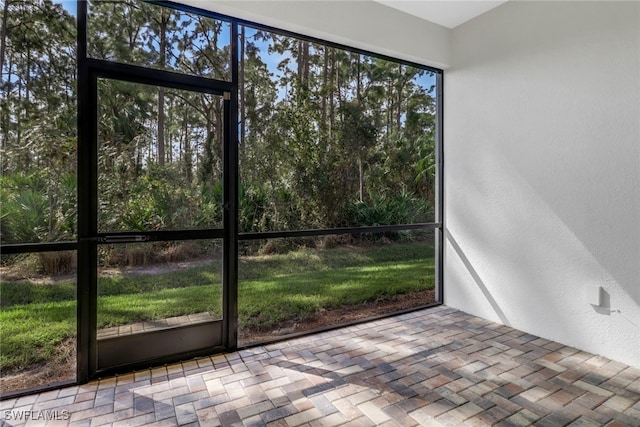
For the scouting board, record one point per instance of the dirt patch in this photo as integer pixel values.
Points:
(341, 315)
(154, 268)
(61, 367)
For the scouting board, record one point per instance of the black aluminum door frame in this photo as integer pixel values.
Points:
(90, 361)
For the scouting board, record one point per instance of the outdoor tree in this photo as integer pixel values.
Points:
(326, 135)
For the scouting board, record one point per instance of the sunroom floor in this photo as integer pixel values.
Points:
(437, 366)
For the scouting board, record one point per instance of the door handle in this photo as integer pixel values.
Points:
(131, 238)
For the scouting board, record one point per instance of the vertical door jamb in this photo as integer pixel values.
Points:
(85, 189)
(231, 187)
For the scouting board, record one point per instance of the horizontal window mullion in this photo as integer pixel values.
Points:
(151, 76)
(164, 235)
(330, 231)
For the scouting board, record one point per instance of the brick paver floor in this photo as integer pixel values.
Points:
(432, 367)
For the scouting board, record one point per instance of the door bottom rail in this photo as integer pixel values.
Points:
(155, 325)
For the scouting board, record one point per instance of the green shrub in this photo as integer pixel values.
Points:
(402, 208)
(37, 207)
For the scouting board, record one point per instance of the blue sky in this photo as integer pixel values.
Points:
(273, 59)
(69, 5)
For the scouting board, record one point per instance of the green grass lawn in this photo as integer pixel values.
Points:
(36, 318)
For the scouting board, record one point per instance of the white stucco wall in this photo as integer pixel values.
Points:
(362, 24)
(542, 181)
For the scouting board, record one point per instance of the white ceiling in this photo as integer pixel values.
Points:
(449, 13)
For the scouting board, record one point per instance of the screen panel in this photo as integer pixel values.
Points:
(38, 319)
(159, 158)
(159, 37)
(146, 287)
(38, 131)
(332, 138)
(291, 285)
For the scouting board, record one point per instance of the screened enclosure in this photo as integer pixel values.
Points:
(173, 175)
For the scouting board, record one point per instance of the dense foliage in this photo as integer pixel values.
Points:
(38, 122)
(328, 137)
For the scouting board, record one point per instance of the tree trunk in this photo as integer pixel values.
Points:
(4, 119)
(19, 113)
(332, 108)
(390, 109)
(339, 89)
(27, 84)
(399, 107)
(188, 166)
(207, 155)
(3, 42)
(361, 177)
(161, 154)
(305, 64)
(358, 81)
(50, 199)
(241, 86)
(299, 63)
(139, 159)
(325, 91)
(164, 20)
(170, 138)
